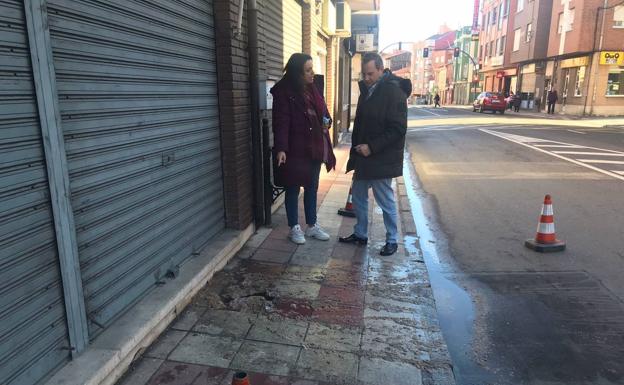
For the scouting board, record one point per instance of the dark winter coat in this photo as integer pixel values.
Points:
(380, 122)
(552, 97)
(293, 134)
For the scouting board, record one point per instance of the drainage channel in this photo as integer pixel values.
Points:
(455, 307)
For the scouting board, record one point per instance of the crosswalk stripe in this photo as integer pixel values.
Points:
(618, 172)
(559, 145)
(589, 153)
(601, 161)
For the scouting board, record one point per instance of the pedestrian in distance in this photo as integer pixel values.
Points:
(510, 99)
(378, 142)
(301, 125)
(436, 99)
(517, 100)
(552, 100)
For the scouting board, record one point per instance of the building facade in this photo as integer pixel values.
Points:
(586, 51)
(495, 45)
(465, 85)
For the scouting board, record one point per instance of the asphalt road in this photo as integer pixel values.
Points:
(511, 315)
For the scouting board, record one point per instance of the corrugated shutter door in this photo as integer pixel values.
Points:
(284, 34)
(138, 98)
(33, 328)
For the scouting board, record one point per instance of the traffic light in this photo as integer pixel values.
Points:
(456, 52)
(425, 52)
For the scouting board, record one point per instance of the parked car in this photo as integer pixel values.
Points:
(489, 101)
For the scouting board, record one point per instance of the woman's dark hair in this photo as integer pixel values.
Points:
(293, 73)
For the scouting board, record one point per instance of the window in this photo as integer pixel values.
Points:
(618, 16)
(520, 5)
(494, 16)
(496, 47)
(483, 24)
(570, 23)
(500, 16)
(491, 48)
(529, 32)
(615, 82)
(517, 34)
(507, 6)
(503, 40)
(560, 23)
(580, 79)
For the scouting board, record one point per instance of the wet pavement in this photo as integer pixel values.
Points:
(319, 313)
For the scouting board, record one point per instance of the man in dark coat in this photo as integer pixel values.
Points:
(378, 142)
(552, 100)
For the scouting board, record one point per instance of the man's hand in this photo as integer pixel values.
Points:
(281, 158)
(363, 150)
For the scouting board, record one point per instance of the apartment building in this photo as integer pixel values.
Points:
(586, 57)
(465, 86)
(495, 44)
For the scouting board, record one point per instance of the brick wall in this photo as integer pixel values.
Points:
(234, 115)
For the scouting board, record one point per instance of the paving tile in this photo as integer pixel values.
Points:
(375, 371)
(261, 268)
(279, 245)
(265, 357)
(246, 252)
(333, 337)
(203, 349)
(188, 318)
(225, 322)
(332, 313)
(260, 236)
(318, 258)
(180, 373)
(342, 295)
(294, 308)
(259, 379)
(354, 278)
(395, 338)
(297, 289)
(140, 372)
(273, 256)
(325, 365)
(278, 330)
(305, 273)
(165, 344)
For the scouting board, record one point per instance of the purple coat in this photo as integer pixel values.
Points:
(292, 134)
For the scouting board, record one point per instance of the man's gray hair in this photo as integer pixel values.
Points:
(373, 56)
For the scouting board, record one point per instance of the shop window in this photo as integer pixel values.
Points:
(580, 79)
(615, 82)
(517, 34)
(566, 83)
(618, 16)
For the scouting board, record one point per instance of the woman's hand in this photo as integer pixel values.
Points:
(281, 158)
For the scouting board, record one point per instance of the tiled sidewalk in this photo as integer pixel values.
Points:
(320, 313)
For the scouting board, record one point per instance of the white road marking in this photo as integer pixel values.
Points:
(589, 153)
(578, 132)
(432, 113)
(618, 172)
(601, 161)
(559, 146)
(526, 143)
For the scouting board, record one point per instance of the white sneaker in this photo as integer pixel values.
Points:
(317, 232)
(296, 235)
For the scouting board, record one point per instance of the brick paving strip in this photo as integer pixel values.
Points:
(317, 314)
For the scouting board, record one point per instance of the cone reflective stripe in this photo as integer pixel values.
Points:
(546, 239)
(348, 210)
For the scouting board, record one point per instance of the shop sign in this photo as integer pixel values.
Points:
(528, 69)
(612, 58)
(575, 62)
(500, 74)
(364, 42)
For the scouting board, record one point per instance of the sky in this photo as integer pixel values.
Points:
(413, 20)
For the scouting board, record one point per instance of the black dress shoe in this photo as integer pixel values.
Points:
(389, 249)
(353, 239)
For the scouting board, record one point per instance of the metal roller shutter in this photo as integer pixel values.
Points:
(33, 327)
(138, 97)
(284, 34)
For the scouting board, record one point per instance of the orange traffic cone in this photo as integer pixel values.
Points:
(240, 378)
(545, 240)
(348, 210)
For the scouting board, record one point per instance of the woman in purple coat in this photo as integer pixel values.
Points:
(301, 131)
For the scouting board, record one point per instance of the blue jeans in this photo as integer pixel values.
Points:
(384, 195)
(309, 198)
